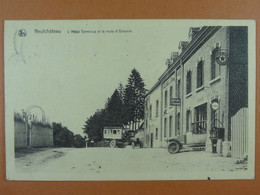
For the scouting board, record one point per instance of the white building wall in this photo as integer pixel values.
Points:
(153, 121)
(216, 88)
(169, 112)
(211, 88)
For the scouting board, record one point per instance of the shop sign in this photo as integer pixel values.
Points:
(175, 102)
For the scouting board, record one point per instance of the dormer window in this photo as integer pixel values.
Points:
(182, 46)
(193, 32)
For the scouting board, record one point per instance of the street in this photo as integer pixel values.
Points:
(108, 161)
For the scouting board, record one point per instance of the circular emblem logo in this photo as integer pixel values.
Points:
(22, 33)
(221, 58)
(215, 106)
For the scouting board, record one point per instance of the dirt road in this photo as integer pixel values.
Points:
(128, 161)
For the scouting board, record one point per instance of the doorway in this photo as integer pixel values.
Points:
(151, 140)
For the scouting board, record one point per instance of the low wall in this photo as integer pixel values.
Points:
(20, 134)
(40, 136)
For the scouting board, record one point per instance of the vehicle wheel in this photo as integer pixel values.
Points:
(173, 147)
(112, 143)
(133, 144)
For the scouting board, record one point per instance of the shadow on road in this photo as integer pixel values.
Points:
(21, 152)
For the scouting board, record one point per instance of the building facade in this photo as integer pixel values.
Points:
(211, 67)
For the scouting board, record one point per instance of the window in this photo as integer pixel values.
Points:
(178, 88)
(177, 130)
(188, 120)
(188, 82)
(170, 94)
(165, 127)
(200, 124)
(157, 107)
(170, 126)
(156, 133)
(150, 112)
(201, 112)
(200, 74)
(215, 68)
(165, 99)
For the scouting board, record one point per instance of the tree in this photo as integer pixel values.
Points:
(120, 90)
(134, 97)
(114, 110)
(79, 141)
(95, 124)
(124, 107)
(62, 137)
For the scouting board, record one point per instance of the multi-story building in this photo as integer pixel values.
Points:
(211, 67)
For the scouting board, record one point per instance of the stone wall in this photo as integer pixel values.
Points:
(40, 136)
(20, 134)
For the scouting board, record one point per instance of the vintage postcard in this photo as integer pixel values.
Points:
(130, 99)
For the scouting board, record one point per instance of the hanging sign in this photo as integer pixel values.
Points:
(221, 58)
(175, 102)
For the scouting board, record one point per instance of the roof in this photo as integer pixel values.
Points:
(201, 37)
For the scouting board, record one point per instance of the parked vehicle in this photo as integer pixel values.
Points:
(195, 139)
(135, 138)
(120, 137)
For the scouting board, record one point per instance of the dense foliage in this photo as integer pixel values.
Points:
(95, 124)
(62, 137)
(134, 99)
(124, 107)
(79, 141)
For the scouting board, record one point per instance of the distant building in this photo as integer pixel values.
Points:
(180, 101)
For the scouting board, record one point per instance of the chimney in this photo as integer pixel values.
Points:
(183, 45)
(193, 32)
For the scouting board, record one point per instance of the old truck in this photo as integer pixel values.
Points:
(120, 137)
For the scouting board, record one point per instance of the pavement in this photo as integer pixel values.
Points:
(108, 161)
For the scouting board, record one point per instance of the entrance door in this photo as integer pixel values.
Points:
(200, 124)
(151, 140)
(199, 127)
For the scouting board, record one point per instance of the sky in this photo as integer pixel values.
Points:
(71, 75)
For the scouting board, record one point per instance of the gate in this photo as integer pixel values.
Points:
(239, 134)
